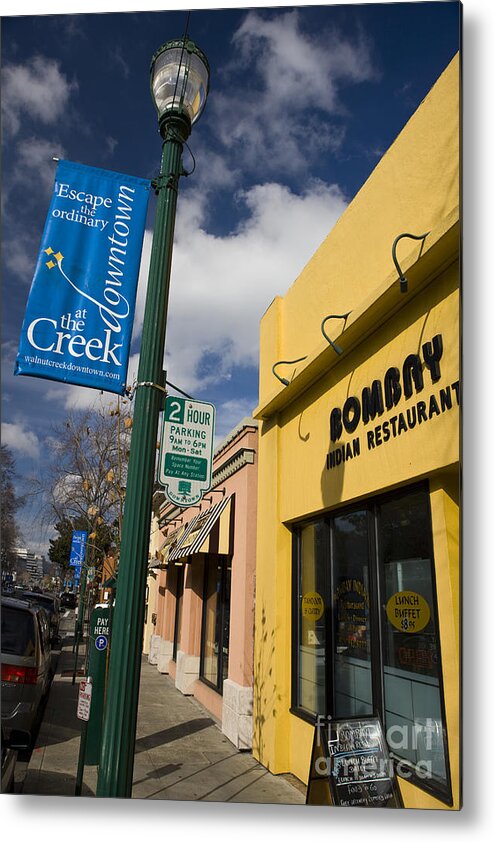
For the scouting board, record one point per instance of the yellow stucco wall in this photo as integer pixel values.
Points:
(415, 188)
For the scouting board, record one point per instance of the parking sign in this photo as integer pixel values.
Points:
(186, 452)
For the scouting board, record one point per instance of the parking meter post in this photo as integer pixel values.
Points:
(76, 658)
(98, 644)
(83, 713)
(80, 764)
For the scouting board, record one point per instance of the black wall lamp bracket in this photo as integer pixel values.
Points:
(285, 362)
(403, 280)
(333, 344)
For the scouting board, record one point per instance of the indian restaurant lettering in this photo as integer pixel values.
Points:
(386, 394)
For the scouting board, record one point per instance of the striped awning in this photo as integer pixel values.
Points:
(170, 543)
(209, 532)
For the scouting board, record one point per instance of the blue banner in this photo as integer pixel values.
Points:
(78, 548)
(79, 316)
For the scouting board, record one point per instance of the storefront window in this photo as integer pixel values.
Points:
(179, 593)
(226, 621)
(216, 622)
(411, 662)
(352, 633)
(311, 619)
(375, 647)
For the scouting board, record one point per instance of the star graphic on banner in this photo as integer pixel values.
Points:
(58, 257)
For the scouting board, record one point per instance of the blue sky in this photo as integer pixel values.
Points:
(304, 100)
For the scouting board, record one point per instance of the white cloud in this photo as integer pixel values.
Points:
(79, 397)
(33, 163)
(34, 156)
(222, 285)
(20, 439)
(229, 414)
(37, 88)
(277, 120)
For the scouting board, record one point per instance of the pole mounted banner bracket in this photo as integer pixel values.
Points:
(149, 383)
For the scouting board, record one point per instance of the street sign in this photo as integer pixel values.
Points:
(78, 548)
(101, 642)
(84, 700)
(186, 452)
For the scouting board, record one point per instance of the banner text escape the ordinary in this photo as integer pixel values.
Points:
(78, 322)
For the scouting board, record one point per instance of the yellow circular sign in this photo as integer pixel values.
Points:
(312, 606)
(408, 611)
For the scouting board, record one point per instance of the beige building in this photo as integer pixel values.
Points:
(201, 588)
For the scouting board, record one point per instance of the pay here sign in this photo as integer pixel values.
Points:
(186, 453)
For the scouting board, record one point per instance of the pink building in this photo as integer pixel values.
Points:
(204, 606)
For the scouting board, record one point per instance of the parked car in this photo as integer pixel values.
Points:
(68, 599)
(19, 740)
(50, 603)
(27, 668)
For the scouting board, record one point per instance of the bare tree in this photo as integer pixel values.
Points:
(10, 502)
(88, 473)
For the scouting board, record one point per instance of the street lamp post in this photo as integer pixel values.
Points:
(179, 84)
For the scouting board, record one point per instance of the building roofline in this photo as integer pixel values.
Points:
(232, 435)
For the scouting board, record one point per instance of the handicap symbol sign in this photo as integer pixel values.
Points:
(101, 642)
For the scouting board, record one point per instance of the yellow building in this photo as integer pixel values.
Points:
(357, 582)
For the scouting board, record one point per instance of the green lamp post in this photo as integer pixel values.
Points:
(179, 86)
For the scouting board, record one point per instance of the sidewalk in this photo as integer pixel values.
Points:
(181, 754)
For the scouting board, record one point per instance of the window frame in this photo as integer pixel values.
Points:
(179, 595)
(372, 506)
(224, 561)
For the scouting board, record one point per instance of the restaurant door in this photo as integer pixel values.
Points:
(371, 643)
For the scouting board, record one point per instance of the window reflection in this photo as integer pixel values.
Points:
(352, 636)
(410, 646)
(312, 600)
(216, 621)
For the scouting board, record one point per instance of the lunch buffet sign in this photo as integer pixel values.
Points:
(350, 765)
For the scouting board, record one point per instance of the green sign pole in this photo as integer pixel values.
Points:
(120, 720)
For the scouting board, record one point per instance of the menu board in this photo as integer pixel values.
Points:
(350, 765)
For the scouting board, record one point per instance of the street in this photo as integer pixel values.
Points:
(180, 752)
(67, 620)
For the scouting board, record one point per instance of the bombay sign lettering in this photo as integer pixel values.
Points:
(383, 396)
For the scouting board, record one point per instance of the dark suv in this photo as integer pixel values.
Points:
(68, 600)
(50, 603)
(27, 668)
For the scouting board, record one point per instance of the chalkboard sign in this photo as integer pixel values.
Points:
(350, 765)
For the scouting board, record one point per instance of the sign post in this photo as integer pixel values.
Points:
(186, 452)
(83, 713)
(77, 557)
(99, 637)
